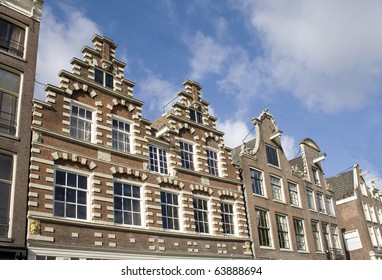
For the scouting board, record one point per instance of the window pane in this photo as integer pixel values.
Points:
(98, 76)
(5, 192)
(59, 194)
(6, 166)
(70, 211)
(81, 214)
(272, 156)
(9, 81)
(82, 182)
(72, 180)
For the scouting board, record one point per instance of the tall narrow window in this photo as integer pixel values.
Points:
(121, 136)
(325, 233)
(272, 156)
(201, 215)
(329, 205)
(70, 195)
(316, 177)
(366, 211)
(212, 161)
(300, 234)
(158, 159)
(9, 93)
(320, 203)
(187, 155)
(372, 214)
(310, 198)
(6, 174)
(363, 188)
(103, 78)
(81, 123)
(227, 217)
(378, 234)
(380, 216)
(170, 210)
(263, 227)
(372, 236)
(127, 204)
(257, 182)
(335, 236)
(293, 194)
(316, 236)
(276, 188)
(12, 38)
(196, 116)
(282, 230)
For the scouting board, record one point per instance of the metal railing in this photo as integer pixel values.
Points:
(334, 254)
(7, 123)
(12, 46)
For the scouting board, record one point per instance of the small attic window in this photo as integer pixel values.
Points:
(103, 78)
(272, 156)
(196, 116)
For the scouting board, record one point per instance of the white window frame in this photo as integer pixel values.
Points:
(178, 207)
(366, 212)
(318, 237)
(287, 233)
(281, 189)
(207, 212)
(197, 114)
(295, 196)
(262, 187)
(268, 228)
(216, 162)
(316, 177)
(26, 31)
(325, 227)
(320, 202)
(191, 161)
(313, 199)
(129, 133)
(363, 188)
(329, 206)
(372, 214)
(380, 215)
(305, 249)
(104, 74)
(335, 236)
(92, 122)
(141, 201)
(77, 172)
(232, 223)
(378, 234)
(373, 237)
(11, 191)
(156, 160)
(277, 156)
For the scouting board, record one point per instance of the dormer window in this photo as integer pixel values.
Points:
(196, 116)
(103, 78)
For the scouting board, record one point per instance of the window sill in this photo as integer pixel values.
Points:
(303, 252)
(6, 239)
(260, 196)
(268, 248)
(296, 206)
(21, 58)
(279, 201)
(286, 250)
(9, 136)
(274, 166)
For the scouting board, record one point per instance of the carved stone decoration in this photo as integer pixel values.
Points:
(36, 137)
(34, 227)
(296, 171)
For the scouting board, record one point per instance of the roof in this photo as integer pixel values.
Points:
(342, 184)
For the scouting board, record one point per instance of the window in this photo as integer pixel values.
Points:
(257, 182)
(187, 155)
(212, 161)
(329, 205)
(158, 159)
(320, 203)
(380, 216)
(378, 234)
(363, 188)
(300, 234)
(316, 236)
(276, 189)
(127, 204)
(282, 231)
(9, 93)
(373, 237)
(325, 233)
(316, 177)
(263, 227)
(310, 198)
(12, 38)
(366, 211)
(170, 210)
(201, 215)
(227, 217)
(335, 236)
(121, 135)
(372, 214)
(293, 194)
(196, 116)
(81, 123)
(70, 195)
(6, 172)
(103, 78)
(272, 156)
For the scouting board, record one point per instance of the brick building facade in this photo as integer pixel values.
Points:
(360, 213)
(19, 32)
(106, 183)
(283, 223)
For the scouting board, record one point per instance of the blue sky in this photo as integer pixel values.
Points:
(316, 65)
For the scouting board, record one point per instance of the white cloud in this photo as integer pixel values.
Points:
(157, 93)
(234, 132)
(61, 39)
(289, 146)
(327, 53)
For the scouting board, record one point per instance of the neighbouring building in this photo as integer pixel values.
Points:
(360, 213)
(279, 193)
(105, 183)
(19, 32)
